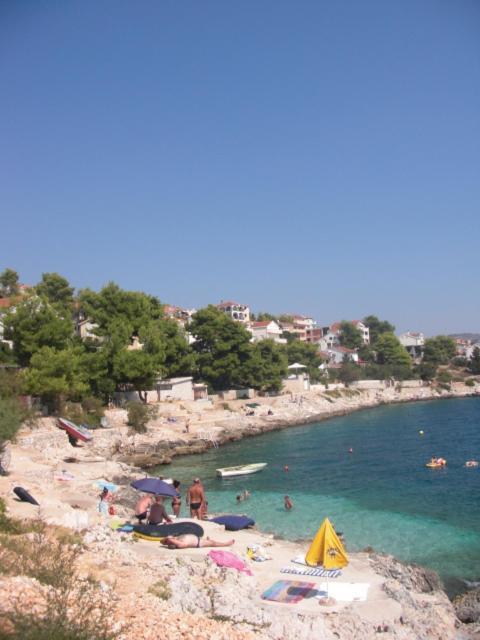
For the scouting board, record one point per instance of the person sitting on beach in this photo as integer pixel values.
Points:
(142, 507)
(288, 503)
(196, 498)
(105, 500)
(157, 512)
(191, 541)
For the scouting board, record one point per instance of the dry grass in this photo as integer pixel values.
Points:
(56, 603)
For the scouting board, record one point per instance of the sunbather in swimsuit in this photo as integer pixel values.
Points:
(195, 497)
(191, 541)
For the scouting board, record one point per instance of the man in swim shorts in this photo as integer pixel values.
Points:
(195, 498)
(158, 513)
(142, 507)
(191, 541)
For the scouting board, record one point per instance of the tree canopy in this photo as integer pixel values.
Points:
(306, 354)
(439, 350)
(112, 306)
(474, 364)
(57, 375)
(121, 316)
(390, 351)
(377, 328)
(33, 324)
(263, 316)
(56, 290)
(8, 283)
(222, 348)
(350, 336)
(266, 367)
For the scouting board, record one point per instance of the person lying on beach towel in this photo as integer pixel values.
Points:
(190, 541)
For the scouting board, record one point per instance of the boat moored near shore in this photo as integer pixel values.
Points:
(241, 470)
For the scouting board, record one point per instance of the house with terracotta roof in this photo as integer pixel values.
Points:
(236, 311)
(300, 326)
(180, 315)
(338, 354)
(267, 330)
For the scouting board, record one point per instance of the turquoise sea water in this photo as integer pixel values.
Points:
(381, 495)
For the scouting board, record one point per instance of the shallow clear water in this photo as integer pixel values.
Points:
(381, 495)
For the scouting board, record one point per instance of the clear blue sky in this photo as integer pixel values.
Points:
(316, 157)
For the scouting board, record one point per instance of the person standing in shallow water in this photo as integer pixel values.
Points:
(196, 498)
(288, 503)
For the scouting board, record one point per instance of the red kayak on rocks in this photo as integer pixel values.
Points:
(79, 433)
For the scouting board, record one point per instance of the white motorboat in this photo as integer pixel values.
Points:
(241, 470)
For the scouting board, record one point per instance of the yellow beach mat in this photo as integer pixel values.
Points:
(145, 536)
(326, 549)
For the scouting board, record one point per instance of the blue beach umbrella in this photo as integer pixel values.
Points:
(156, 486)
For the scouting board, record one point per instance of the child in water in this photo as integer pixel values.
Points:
(288, 503)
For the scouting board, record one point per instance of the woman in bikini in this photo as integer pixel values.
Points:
(176, 500)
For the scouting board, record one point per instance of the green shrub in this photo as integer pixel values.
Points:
(138, 415)
(161, 589)
(334, 393)
(73, 411)
(226, 406)
(11, 383)
(12, 526)
(89, 411)
(73, 608)
(444, 377)
(12, 414)
(93, 409)
(470, 382)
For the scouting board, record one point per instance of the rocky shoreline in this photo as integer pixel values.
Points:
(183, 594)
(214, 427)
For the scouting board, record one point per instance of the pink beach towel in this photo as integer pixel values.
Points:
(230, 560)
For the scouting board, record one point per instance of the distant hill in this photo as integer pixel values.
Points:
(474, 337)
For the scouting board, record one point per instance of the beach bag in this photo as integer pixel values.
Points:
(111, 510)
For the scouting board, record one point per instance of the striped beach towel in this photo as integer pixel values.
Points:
(320, 573)
(289, 591)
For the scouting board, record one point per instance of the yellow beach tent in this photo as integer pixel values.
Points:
(326, 549)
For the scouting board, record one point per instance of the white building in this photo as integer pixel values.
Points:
(86, 329)
(413, 342)
(236, 311)
(175, 389)
(338, 354)
(335, 331)
(470, 349)
(267, 330)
